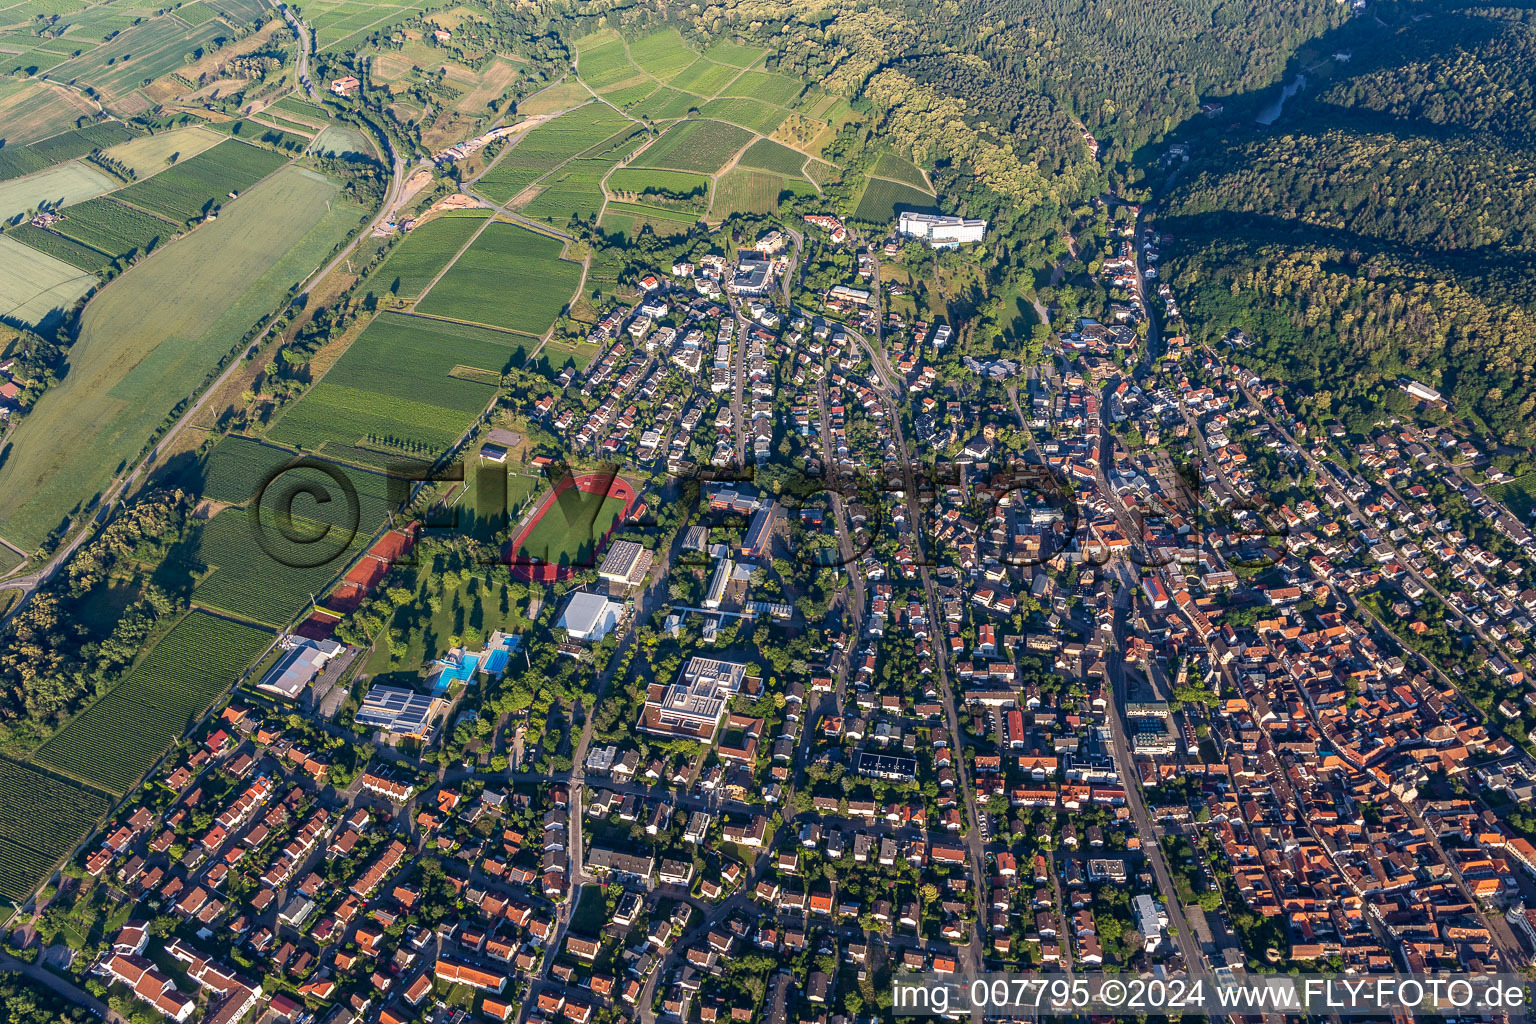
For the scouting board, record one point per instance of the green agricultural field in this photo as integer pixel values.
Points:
(573, 191)
(627, 96)
(267, 579)
(881, 199)
(631, 217)
(81, 257)
(662, 54)
(338, 140)
(704, 77)
(41, 819)
(654, 181)
(139, 54)
(303, 111)
(509, 277)
(540, 149)
(899, 168)
(115, 229)
(112, 743)
(746, 191)
(152, 337)
(780, 90)
(423, 253)
(196, 13)
(605, 64)
(395, 390)
(239, 469)
(665, 104)
(703, 146)
(35, 288)
(726, 52)
(238, 12)
(151, 154)
(750, 114)
(570, 529)
(767, 155)
(58, 186)
(258, 134)
(191, 189)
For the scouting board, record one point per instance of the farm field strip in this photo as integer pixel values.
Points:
(113, 227)
(508, 277)
(702, 146)
(188, 190)
(34, 286)
(112, 743)
(152, 336)
(393, 390)
(423, 253)
(41, 819)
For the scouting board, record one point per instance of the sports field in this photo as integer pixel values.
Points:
(569, 525)
(35, 287)
(152, 337)
(509, 277)
(57, 186)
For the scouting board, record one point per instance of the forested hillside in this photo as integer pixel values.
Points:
(1384, 225)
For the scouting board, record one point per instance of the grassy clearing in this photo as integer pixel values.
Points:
(394, 389)
(421, 255)
(151, 154)
(509, 277)
(58, 186)
(116, 740)
(34, 287)
(152, 337)
(703, 146)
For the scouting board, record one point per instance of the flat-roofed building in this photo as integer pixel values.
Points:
(940, 231)
(398, 711)
(298, 667)
(691, 705)
(626, 563)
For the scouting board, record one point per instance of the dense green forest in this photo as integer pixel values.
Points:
(1383, 226)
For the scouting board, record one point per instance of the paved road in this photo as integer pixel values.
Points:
(306, 45)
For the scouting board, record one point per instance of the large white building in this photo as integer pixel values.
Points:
(589, 616)
(941, 231)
